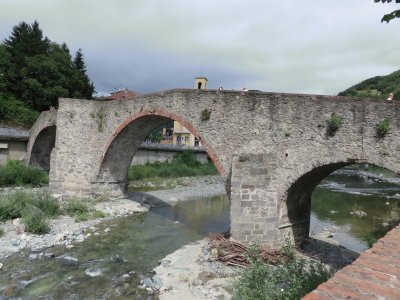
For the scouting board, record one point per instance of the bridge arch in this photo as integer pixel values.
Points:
(295, 208)
(42, 138)
(127, 138)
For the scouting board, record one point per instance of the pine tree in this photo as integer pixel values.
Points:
(83, 87)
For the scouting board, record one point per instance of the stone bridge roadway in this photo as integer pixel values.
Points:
(272, 149)
(374, 275)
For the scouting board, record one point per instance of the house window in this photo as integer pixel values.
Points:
(178, 139)
(196, 142)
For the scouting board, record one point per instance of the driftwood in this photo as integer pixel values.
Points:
(237, 254)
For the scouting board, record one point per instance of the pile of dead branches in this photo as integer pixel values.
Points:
(236, 254)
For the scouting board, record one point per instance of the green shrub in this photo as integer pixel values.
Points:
(12, 205)
(34, 220)
(97, 214)
(81, 217)
(183, 164)
(75, 207)
(290, 281)
(187, 158)
(383, 127)
(49, 205)
(205, 115)
(334, 123)
(16, 204)
(15, 173)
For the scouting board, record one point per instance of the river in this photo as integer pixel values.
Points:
(110, 266)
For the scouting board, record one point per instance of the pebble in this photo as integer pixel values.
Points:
(93, 272)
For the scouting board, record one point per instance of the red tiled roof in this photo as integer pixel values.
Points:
(124, 94)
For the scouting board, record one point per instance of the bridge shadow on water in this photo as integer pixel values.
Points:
(329, 253)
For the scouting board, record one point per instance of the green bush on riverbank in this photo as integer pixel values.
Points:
(15, 173)
(35, 208)
(183, 164)
(291, 280)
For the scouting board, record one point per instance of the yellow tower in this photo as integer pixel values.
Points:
(200, 83)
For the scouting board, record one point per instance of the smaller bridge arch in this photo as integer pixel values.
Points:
(42, 139)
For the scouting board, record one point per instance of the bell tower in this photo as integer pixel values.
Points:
(200, 83)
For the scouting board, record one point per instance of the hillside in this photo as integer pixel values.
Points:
(376, 87)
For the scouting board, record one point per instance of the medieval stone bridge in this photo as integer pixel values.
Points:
(272, 149)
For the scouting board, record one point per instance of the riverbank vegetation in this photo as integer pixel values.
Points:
(268, 274)
(184, 164)
(15, 173)
(34, 209)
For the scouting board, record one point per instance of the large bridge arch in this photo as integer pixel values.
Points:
(295, 204)
(127, 138)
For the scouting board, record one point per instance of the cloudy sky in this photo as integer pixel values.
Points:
(308, 46)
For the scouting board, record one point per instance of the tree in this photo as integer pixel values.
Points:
(40, 71)
(394, 14)
(4, 65)
(82, 86)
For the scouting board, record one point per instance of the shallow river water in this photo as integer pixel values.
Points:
(110, 266)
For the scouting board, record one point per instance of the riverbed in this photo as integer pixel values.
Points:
(112, 263)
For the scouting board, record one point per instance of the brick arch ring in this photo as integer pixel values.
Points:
(172, 116)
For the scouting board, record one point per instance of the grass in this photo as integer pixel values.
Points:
(1, 232)
(183, 165)
(15, 173)
(292, 280)
(80, 210)
(34, 209)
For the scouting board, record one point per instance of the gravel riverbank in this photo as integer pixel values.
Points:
(65, 231)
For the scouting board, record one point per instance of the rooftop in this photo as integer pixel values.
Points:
(14, 133)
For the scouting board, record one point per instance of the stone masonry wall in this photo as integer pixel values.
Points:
(261, 143)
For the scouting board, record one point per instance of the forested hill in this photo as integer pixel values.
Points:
(376, 87)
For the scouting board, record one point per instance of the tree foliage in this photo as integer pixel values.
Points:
(394, 14)
(37, 71)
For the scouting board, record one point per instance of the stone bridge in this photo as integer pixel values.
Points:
(272, 149)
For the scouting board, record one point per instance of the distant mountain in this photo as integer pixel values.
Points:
(376, 87)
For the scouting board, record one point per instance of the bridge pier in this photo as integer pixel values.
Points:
(254, 199)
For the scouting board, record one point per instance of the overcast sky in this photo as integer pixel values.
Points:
(307, 46)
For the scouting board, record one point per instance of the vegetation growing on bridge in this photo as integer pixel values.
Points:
(183, 164)
(334, 123)
(383, 127)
